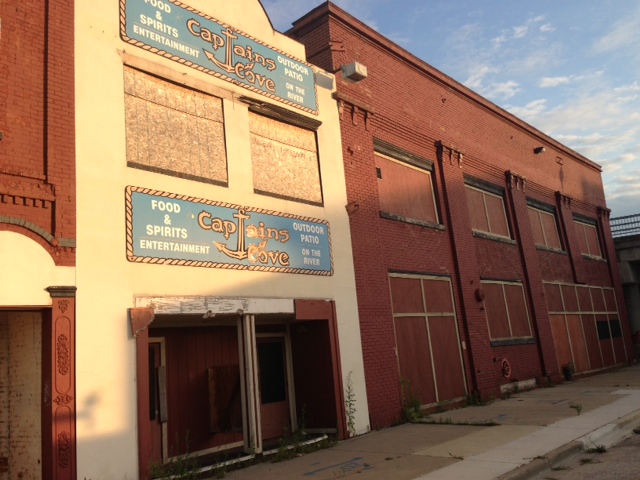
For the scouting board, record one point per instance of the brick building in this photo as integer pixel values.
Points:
(37, 240)
(482, 247)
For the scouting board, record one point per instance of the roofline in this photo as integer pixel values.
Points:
(349, 20)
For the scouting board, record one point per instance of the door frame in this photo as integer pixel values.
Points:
(164, 425)
(289, 378)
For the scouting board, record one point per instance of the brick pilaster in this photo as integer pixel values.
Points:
(59, 387)
(467, 271)
(539, 316)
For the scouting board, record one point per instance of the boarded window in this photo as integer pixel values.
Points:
(487, 212)
(284, 160)
(173, 130)
(506, 310)
(588, 239)
(427, 339)
(585, 324)
(545, 230)
(405, 191)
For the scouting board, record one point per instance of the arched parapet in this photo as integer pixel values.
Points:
(28, 269)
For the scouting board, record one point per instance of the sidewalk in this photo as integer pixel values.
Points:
(533, 428)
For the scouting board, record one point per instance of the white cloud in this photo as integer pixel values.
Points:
(503, 90)
(547, 28)
(547, 82)
(520, 31)
(530, 110)
(623, 34)
(477, 74)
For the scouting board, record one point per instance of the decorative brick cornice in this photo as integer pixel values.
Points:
(453, 153)
(515, 180)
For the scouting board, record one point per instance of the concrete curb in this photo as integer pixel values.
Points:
(605, 436)
(611, 433)
(538, 465)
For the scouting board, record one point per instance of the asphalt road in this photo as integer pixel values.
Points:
(620, 462)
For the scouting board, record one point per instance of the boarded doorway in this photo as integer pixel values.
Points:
(427, 338)
(275, 409)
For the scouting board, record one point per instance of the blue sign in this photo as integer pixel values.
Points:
(176, 31)
(182, 230)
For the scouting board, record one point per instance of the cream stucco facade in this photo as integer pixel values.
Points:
(109, 283)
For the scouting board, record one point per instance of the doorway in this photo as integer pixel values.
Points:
(275, 407)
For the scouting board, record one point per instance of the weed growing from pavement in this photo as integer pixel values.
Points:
(350, 406)
(576, 406)
(597, 449)
(411, 406)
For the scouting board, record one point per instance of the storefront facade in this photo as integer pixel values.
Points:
(217, 310)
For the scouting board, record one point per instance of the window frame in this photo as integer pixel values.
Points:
(391, 153)
(543, 209)
(511, 340)
(584, 223)
(486, 188)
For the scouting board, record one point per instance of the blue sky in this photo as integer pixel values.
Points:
(571, 68)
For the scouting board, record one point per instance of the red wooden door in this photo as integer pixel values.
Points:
(274, 395)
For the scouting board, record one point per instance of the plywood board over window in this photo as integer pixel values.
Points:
(174, 130)
(506, 311)
(284, 160)
(405, 191)
(588, 238)
(544, 227)
(487, 212)
(585, 325)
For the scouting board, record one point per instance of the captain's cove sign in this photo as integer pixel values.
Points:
(177, 229)
(176, 31)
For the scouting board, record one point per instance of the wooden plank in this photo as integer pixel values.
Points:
(414, 359)
(167, 305)
(446, 358)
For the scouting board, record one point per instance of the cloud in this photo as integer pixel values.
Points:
(476, 76)
(547, 28)
(503, 90)
(547, 82)
(520, 31)
(530, 111)
(622, 35)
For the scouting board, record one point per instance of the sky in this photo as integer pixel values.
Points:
(570, 68)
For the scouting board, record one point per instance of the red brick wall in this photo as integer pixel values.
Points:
(412, 106)
(37, 149)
